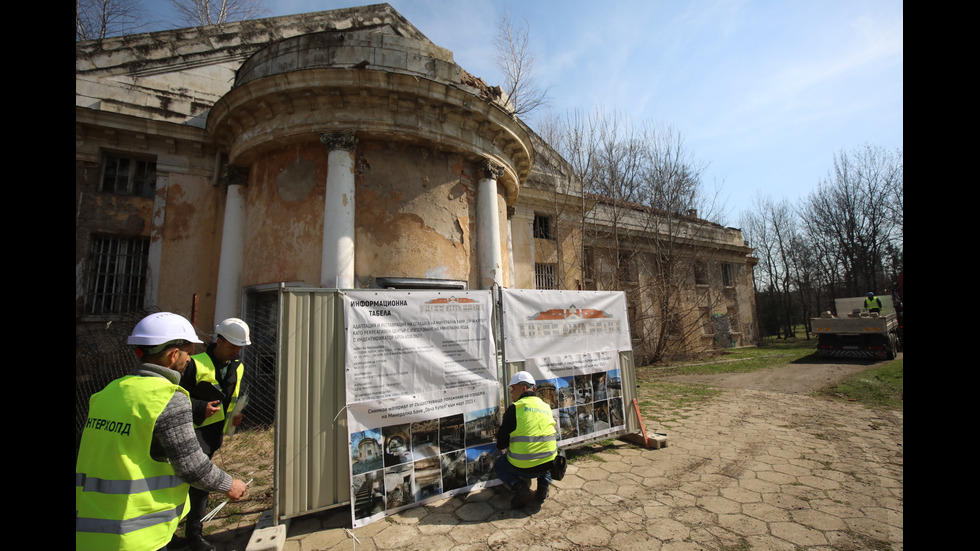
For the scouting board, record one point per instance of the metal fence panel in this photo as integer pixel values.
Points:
(312, 470)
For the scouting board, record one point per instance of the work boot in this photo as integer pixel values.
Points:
(198, 543)
(522, 494)
(541, 493)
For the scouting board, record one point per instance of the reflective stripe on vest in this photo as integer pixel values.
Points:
(125, 499)
(535, 440)
(207, 372)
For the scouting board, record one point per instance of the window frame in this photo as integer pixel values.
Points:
(543, 227)
(140, 174)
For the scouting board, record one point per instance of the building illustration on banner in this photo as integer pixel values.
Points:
(562, 322)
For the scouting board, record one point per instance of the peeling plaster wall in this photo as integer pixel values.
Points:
(191, 245)
(416, 214)
(284, 216)
(102, 214)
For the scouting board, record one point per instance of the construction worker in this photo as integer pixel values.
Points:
(217, 367)
(138, 451)
(529, 433)
(872, 303)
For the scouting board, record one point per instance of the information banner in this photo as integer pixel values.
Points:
(423, 397)
(553, 323)
(585, 393)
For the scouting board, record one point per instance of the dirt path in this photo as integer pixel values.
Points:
(800, 378)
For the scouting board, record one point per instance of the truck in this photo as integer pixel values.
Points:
(856, 333)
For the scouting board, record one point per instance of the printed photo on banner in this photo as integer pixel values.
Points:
(423, 398)
(398, 466)
(584, 392)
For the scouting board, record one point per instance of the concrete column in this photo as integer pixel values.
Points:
(154, 258)
(228, 297)
(337, 256)
(488, 227)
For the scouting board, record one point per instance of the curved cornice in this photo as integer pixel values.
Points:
(267, 112)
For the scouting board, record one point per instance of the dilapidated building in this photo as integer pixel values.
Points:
(339, 149)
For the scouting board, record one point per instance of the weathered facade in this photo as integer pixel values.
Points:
(339, 149)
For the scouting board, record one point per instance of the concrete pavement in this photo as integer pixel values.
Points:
(747, 470)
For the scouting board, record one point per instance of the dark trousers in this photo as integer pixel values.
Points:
(512, 476)
(199, 505)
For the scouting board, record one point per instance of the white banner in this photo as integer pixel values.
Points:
(552, 323)
(423, 397)
(584, 391)
(405, 343)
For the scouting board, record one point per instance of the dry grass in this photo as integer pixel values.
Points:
(248, 455)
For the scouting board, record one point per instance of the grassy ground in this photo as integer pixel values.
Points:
(881, 387)
(662, 402)
(742, 360)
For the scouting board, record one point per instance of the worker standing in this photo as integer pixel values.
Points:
(529, 433)
(872, 303)
(217, 367)
(138, 453)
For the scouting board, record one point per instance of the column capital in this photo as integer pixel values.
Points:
(491, 169)
(345, 140)
(234, 175)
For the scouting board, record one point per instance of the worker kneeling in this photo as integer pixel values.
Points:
(529, 433)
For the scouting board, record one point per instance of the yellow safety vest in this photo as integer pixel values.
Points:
(207, 372)
(125, 499)
(872, 303)
(535, 440)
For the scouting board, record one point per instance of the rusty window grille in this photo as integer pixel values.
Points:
(545, 276)
(117, 275)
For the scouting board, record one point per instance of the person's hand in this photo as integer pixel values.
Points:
(212, 408)
(237, 420)
(238, 489)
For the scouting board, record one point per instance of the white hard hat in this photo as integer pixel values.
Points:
(234, 331)
(160, 328)
(522, 377)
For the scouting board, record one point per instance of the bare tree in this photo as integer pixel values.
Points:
(849, 238)
(213, 12)
(98, 19)
(515, 60)
(859, 207)
(771, 227)
(642, 232)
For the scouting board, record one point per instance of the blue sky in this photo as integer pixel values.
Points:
(765, 92)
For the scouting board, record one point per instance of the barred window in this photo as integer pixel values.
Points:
(545, 276)
(117, 275)
(542, 227)
(128, 175)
